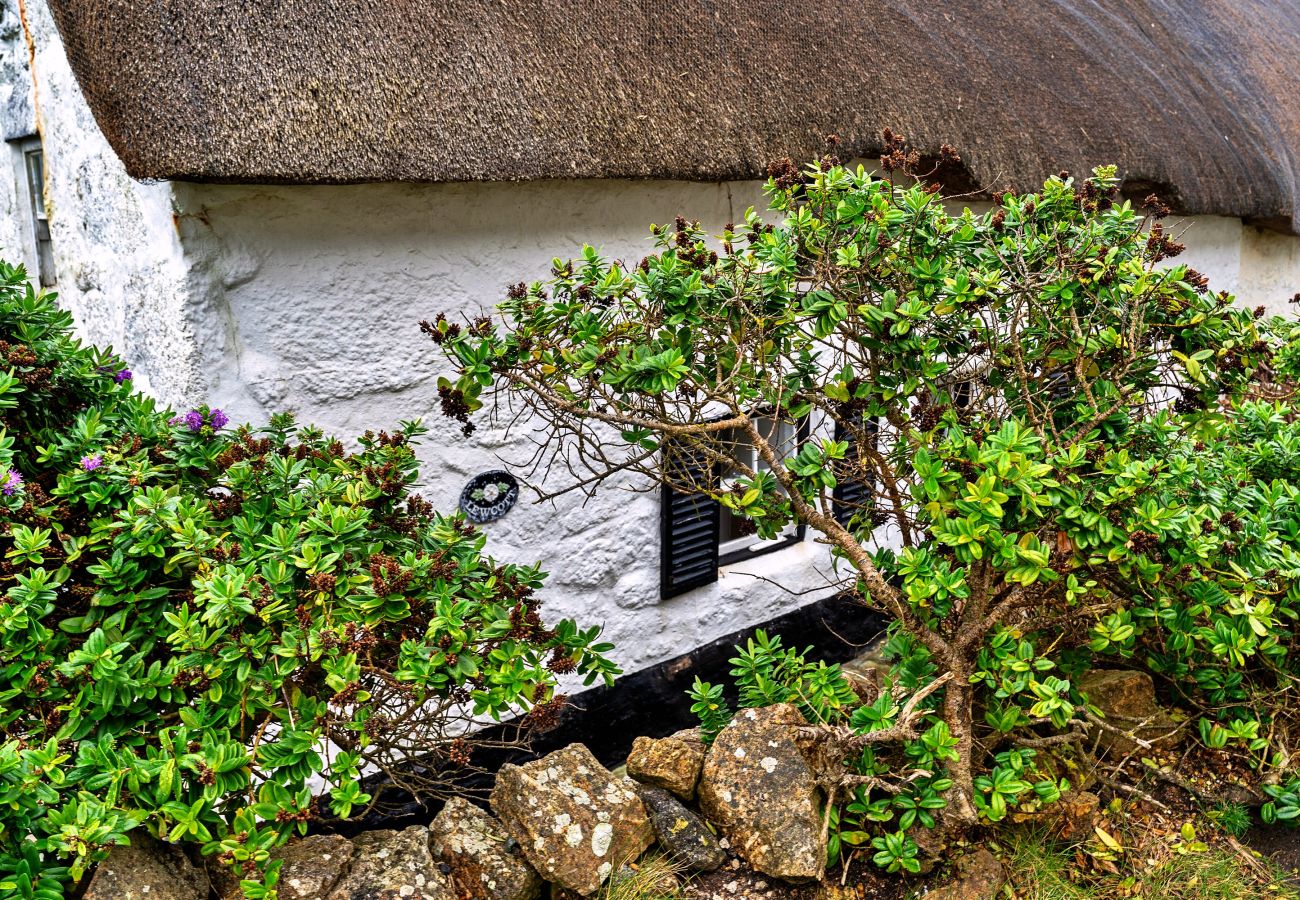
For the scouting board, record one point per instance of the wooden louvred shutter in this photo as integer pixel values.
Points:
(851, 495)
(689, 524)
(961, 394)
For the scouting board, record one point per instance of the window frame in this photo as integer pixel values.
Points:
(686, 561)
(845, 497)
(729, 554)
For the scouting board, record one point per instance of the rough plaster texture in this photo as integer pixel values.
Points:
(118, 259)
(315, 293)
(17, 120)
(311, 297)
(307, 298)
(1269, 271)
(17, 109)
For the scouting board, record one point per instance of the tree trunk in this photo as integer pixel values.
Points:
(958, 697)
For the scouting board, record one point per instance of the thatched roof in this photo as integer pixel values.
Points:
(1197, 97)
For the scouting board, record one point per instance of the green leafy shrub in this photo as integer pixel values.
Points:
(710, 708)
(1221, 630)
(201, 627)
(1283, 804)
(766, 673)
(1037, 406)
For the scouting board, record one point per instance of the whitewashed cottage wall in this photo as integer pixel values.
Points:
(119, 263)
(317, 292)
(260, 298)
(17, 120)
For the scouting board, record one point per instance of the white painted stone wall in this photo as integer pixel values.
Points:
(262, 298)
(316, 293)
(17, 120)
(119, 263)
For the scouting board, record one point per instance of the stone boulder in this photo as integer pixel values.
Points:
(979, 877)
(475, 847)
(312, 866)
(574, 821)
(147, 870)
(672, 763)
(758, 788)
(309, 868)
(1127, 700)
(393, 865)
(682, 834)
(865, 672)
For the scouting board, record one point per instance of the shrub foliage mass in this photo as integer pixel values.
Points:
(1062, 444)
(212, 634)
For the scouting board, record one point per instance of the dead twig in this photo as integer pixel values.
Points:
(1132, 792)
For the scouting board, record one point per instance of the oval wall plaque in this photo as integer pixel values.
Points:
(489, 496)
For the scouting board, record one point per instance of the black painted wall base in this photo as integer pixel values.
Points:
(653, 701)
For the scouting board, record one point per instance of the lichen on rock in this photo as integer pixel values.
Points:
(485, 863)
(758, 788)
(147, 869)
(672, 763)
(681, 833)
(575, 822)
(394, 865)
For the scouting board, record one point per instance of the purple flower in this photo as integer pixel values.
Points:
(124, 375)
(12, 481)
(92, 462)
(193, 420)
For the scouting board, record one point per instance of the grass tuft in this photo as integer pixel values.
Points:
(1231, 817)
(1042, 871)
(654, 877)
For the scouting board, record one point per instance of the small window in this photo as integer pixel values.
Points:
(853, 496)
(698, 533)
(688, 523)
(736, 534)
(31, 191)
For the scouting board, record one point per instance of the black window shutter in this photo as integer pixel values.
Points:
(689, 524)
(851, 495)
(961, 394)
